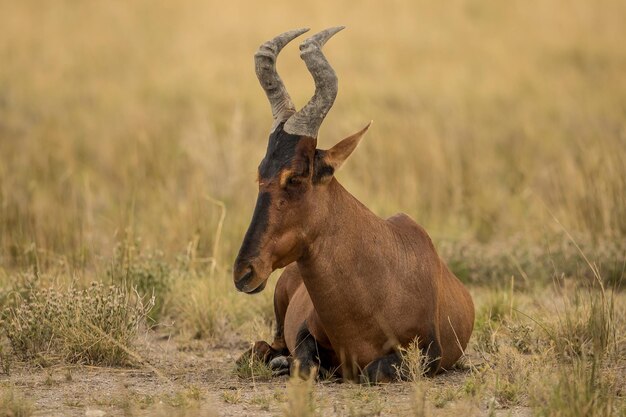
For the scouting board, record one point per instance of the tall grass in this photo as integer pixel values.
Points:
(114, 117)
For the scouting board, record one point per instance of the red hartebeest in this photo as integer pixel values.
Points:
(355, 287)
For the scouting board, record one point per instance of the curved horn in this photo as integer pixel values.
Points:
(265, 66)
(308, 120)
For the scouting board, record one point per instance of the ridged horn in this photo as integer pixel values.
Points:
(265, 66)
(308, 120)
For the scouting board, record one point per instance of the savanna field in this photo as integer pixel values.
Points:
(130, 134)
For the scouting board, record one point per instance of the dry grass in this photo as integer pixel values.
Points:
(92, 326)
(579, 390)
(129, 139)
(414, 363)
(482, 125)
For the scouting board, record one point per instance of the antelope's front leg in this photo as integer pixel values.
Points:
(261, 351)
(306, 357)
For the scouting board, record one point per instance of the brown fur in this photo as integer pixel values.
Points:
(362, 285)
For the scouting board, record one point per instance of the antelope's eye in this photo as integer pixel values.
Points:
(294, 180)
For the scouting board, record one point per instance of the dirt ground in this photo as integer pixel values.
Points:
(189, 379)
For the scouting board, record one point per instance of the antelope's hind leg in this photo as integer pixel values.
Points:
(391, 368)
(384, 369)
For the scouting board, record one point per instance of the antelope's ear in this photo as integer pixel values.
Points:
(329, 161)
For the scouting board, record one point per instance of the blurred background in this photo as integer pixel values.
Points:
(494, 122)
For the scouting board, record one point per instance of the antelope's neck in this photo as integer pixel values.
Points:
(342, 262)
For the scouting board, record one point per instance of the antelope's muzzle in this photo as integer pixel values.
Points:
(244, 277)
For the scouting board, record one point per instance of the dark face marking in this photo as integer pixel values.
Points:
(284, 177)
(281, 150)
(260, 219)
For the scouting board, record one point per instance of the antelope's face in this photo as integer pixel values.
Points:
(293, 175)
(275, 236)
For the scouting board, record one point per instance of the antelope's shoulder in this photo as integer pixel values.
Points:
(403, 221)
(404, 224)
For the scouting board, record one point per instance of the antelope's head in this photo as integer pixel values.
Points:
(293, 175)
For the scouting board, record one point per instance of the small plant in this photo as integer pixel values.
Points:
(252, 368)
(523, 337)
(187, 398)
(414, 362)
(444, 396)
(12, 405)
(474, 383)
(470, 387)
(49, 381)
(263, 401)
(92, 326)
(232, 397)
(148, 274)
(511, 377)
(486, 336)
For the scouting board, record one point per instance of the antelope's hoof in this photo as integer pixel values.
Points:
(279, 363)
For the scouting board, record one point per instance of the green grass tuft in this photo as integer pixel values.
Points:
(252, 369)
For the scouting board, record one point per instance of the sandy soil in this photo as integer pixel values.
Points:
(189, 379)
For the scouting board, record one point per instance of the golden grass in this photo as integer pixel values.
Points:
(488, 116)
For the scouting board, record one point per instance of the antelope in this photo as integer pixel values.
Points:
(355, 287)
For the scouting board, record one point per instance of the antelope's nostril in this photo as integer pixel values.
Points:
(244, 279)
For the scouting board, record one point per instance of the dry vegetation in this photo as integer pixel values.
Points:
(129, 138)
